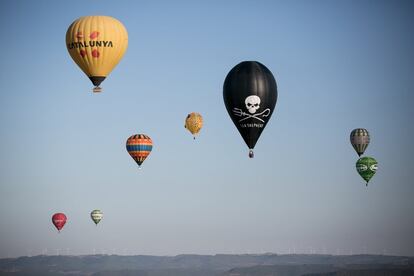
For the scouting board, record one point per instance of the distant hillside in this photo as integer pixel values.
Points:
(162, 272)
(202, 265)
(280, 270)
(323, 270)
(369, 272)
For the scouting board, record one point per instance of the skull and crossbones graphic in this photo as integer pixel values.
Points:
(252, 104)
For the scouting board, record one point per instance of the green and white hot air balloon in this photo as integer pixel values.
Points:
(366, 167)
(96, 216)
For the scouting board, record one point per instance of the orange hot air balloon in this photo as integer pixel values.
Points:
(96, 44)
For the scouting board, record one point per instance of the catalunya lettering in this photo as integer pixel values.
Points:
(92, 43)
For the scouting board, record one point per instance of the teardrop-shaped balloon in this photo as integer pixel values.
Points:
(59, 220)
(250, 95)
(96, 44)
(96, 216)
(360, 140)
(366, 167)
(194, 123)
(139, 146)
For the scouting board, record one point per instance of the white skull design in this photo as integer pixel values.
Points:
(252, 103)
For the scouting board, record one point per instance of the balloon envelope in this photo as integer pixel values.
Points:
(139, 146)
(250, 95)
(194, 123)
(360, 140)
(96, 44)
(59, 220)
(96, 216)
(366, 167)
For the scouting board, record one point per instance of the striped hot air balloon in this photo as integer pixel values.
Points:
(194, 123)
(360, 140)
(139, 146)
(96, 216)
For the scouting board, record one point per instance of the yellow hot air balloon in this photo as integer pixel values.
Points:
(96, 44)
(194, 123)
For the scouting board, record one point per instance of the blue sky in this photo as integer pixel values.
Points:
(339, 65)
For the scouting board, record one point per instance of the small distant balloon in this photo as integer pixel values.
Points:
(59, 220)
(96, 216)
(360, 140)
(194, 123)
(139, 146)
(367, 167)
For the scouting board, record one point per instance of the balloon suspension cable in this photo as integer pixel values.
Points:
(97, 89)
(251, 153)
(139, 167)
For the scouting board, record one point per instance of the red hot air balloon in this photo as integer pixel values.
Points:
(59, 220)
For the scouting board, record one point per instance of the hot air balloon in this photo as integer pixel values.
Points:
(360, 139)
(59, 220)
(139, 146)
(250, 95)
(366, 167)
(96, 216)
(96, 44)
(194, 123)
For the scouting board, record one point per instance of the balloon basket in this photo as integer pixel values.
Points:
(97, 89)
(251, 154)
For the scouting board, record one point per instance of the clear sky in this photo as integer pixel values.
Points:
(339, 65)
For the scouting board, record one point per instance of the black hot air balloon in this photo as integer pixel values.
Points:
(250, 95)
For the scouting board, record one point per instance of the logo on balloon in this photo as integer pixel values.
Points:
(92, 43)
(373, 167)
(252, 104)
(362, 167)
